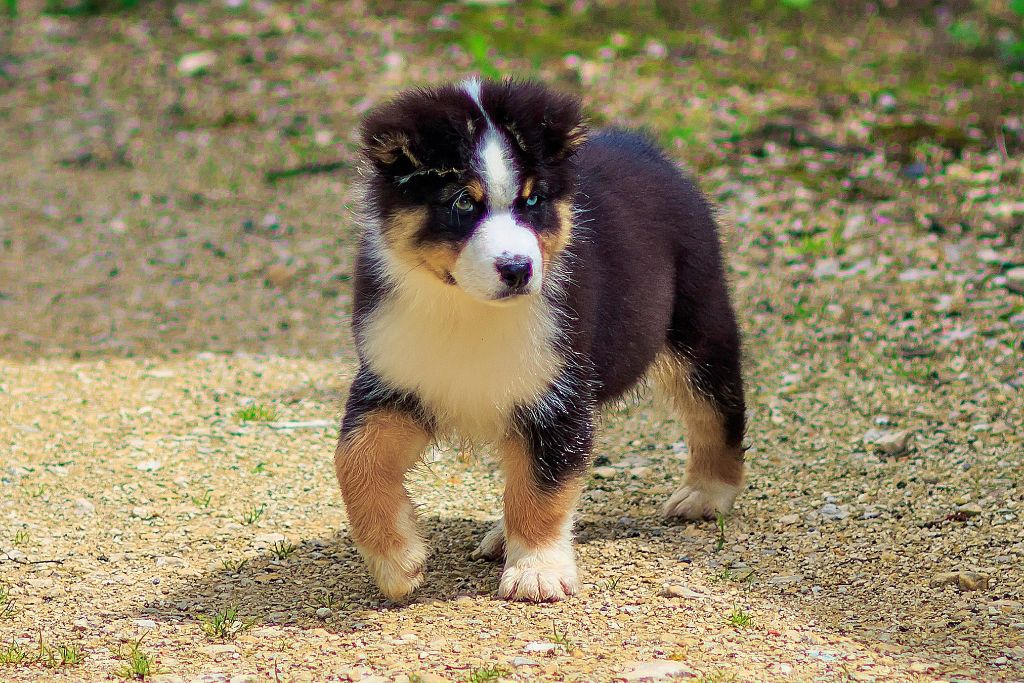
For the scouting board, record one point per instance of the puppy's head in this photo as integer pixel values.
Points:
(474, 182)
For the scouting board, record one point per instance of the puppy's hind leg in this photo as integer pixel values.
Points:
(379, 443)
(708, 393)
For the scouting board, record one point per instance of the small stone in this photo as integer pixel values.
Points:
(786, 579)
(269, 539)
(605, 472)
(789, 520)
(324, 613)
(970, 510)
(142, 513)
(524, 661)
(893, 443)
(149, 465)
(833, 512)
(1015, 280)
(218, 650)
(170, 561)
(972, 581)
(196, 63)
(84, 507)
(145, 624)
(655, 671)
(539, 647)
(964, 580)
(280, 275)
(167, 678)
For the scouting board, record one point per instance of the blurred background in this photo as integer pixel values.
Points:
(178, 175)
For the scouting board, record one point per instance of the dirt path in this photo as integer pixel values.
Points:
(166, 313)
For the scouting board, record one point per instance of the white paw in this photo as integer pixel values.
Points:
(546, 575)
(700, 500)
(400, 573)
(492, 545)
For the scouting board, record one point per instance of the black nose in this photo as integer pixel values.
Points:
(515, 272)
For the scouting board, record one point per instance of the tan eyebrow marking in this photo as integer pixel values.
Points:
(475, 189)
(527, 188)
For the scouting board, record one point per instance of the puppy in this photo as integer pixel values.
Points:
(515, 273)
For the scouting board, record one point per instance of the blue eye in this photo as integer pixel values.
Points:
(532, 200)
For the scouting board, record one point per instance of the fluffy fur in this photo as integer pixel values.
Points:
(515, 273)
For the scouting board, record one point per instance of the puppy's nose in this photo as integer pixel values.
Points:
(514, 271)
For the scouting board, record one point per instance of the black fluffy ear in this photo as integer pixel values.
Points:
(400, 138)
(546, 124)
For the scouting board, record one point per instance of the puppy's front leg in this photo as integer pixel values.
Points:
(376, 448)
(544, 475)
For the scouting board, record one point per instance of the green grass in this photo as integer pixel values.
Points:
(739, 618)
(234, 566)
(257, 412)
(21, 537)
(6, 602)
(485, 674)
(138, 665)
(282, 549)
(720, 524)
(204, 500)
(12, 653)
(561, 638)
(323, 598)
(225, 624)
(252, 516)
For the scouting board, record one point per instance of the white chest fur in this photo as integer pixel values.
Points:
(468, 361)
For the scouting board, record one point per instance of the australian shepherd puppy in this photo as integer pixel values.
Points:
(516, 273)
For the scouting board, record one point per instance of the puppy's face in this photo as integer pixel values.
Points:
(474, 183)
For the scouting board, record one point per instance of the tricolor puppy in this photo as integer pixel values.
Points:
(515, 274)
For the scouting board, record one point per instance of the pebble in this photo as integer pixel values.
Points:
(217, 650)
(789, 520)
(786, 579)
(539, 647)
(142, 513)
(194, 63)
(655, 671)
(524, 661)
(677, 591)
(84, 507)
(149, 465)
(145, 624)
(833, 512)
(269, 539)
(324, 613)
(889, 443)
(1015, 280)
(964, 580)
(605, 472)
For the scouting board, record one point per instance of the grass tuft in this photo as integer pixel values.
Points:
(282, 549)
(252, 516)
(739, 618)
(225, 624)
(485, 674)
(257, 412)
(138, 665)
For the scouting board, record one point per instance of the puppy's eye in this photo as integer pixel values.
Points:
(532, 200)
(464, 204)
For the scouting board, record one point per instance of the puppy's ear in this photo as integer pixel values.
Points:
(422, 132)
(546, 124)
(563, 125)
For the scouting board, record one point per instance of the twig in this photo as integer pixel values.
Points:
(272, 176)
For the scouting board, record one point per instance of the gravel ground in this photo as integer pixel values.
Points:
(174, 349)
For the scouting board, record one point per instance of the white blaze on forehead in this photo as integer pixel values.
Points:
(498, 236)
(499, 176)
(493, 160)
